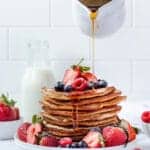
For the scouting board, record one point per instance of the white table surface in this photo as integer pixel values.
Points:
(131, 111)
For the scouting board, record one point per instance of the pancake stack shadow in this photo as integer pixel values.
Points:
(73, 114)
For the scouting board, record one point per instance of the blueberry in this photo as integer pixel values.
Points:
(97, 129)
(100, 84)
(90, 85)
(68, 146)
(82, 144)
(59, 86)
(68, 88)
(74, 145)
(103, 83)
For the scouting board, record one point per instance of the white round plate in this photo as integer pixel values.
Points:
(27, 146)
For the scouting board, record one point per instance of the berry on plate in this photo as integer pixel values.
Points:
(131, 133)
(65, 141)
(146, 117)
(34, 130)
(22, 131)
(79, 84)
(94, 139)
(114, 136)
(49, 141)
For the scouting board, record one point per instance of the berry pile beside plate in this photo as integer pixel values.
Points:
(79, 78)
(108, 136)
(9, 117)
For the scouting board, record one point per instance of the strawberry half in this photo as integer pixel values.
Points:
(22, 131)
(70, 75)
(49, 141)
(129, 129)
(114, 136)
(94, 139)
(90, 77)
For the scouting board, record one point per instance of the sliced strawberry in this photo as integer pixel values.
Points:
(22, 131)
(94, 139)
(146, 117)
(130, 130)
(65, 141)
(70, 75)
(114, 136)
(35, 129)
(32, 139)
(79, 84)
(49, 141)
(89, 76)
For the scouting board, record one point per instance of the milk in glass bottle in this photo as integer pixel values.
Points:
(38, 74)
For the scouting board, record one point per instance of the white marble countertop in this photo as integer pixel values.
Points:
(131, 111)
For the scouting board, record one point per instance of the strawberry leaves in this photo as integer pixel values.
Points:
(36, 119)
(80, 67)
(6, 100)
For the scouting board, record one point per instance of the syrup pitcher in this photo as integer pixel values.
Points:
(108, 16)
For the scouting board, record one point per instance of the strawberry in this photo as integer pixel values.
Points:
(49, 141)
(65, 141)
(34, 130)
(79, 84)
(131, 133)
(4, 112)
(90, 77)
(94, 139)
(22, 131)
(32, 133)
(32, 139)
(146, 117)
(70, 76)
(114, 136)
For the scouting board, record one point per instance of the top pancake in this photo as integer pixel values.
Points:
(76, 95)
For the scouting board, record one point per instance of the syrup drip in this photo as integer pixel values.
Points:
(75, 114)
(93, 15)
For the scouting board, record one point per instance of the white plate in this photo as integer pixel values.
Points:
(27, 146)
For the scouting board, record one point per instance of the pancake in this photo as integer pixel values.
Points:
(91, 123)
(89, 118)
(80, 113)
(94, 106)
(63, 131)
(88, 101)
(51, 93)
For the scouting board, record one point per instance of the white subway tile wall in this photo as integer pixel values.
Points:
(122, 59)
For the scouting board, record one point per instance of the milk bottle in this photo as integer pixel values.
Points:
(37, 75)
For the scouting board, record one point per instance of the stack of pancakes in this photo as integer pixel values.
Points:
(72, 114)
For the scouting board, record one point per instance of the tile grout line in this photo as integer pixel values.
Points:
(8, 46)
(50, 18)
(131, 74)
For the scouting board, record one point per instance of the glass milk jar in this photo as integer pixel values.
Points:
(37, 75)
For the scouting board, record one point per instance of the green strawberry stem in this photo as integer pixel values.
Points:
(7, 101)
(36, 119)
(82, 68)
(80, 62)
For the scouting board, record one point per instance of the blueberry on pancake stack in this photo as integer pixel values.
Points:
(79, 102)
